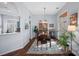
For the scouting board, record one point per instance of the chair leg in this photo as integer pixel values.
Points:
(50, 43)
(37, 45)
(46, 46)
(41, 46)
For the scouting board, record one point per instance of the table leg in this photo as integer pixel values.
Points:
(50, 43)
(37, 45)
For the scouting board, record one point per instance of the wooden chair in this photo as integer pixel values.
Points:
(42, 39)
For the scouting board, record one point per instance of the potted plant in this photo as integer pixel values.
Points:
(63, 40)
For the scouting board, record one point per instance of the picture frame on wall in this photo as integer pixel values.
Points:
(74, 19)
(26, 26)
(18, 24)
(51, 25)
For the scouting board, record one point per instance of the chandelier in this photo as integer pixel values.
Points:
(45, 21)
(44, 12)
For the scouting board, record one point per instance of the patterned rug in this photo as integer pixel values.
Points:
(45, 48)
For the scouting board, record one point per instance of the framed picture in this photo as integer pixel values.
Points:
(51, 25)
(26, 25)
(18, 25)
(74, 19)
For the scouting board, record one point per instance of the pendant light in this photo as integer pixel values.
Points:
(45, 21)
(44, 12)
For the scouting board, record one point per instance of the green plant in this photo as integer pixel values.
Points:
(63, 40)
(35, 29)
(71, 34)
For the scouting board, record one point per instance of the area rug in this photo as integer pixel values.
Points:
(45, 48)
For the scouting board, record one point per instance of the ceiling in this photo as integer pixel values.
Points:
(37, 8)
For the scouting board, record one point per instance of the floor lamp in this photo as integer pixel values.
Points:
(71, 28)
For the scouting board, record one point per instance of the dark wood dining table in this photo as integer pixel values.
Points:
(43, 39)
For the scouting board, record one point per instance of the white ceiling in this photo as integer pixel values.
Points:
(37, 8)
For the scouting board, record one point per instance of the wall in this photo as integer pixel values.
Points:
(50, 18)
(13, 41)
(71, 8)
(0, 25)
